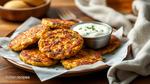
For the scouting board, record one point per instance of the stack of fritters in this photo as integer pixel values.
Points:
(56, 43)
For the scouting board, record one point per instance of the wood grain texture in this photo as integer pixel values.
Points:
(7, 69)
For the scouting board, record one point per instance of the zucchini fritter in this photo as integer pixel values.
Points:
(114, 43)
(36, 58)
(27, 38)
(83, 57)
(60, 43)
(57, 23)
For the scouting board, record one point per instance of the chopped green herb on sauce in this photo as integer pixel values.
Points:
(91, 29)
(80, 28)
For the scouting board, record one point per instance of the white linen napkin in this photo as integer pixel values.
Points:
(98, 10)
(139, 36)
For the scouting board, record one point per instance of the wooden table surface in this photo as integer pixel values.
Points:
(9, 74)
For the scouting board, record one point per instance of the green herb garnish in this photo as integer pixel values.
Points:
(87, 33)
(96, 30)
(80, 28)
(88, 27)
(92, 27)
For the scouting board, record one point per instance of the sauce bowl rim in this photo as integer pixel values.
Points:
(96, 22)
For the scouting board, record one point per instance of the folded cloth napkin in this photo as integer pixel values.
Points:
(139, 37)
(98, 10)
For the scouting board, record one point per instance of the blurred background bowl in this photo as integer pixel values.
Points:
(23, 13)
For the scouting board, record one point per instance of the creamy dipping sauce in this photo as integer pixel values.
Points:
(92, 29)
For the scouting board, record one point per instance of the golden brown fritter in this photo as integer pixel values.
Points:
(114, 43)
(60, 43)
(27, 38)
(36, 58)
(57, 23)
(83, 57)
(42, 30)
